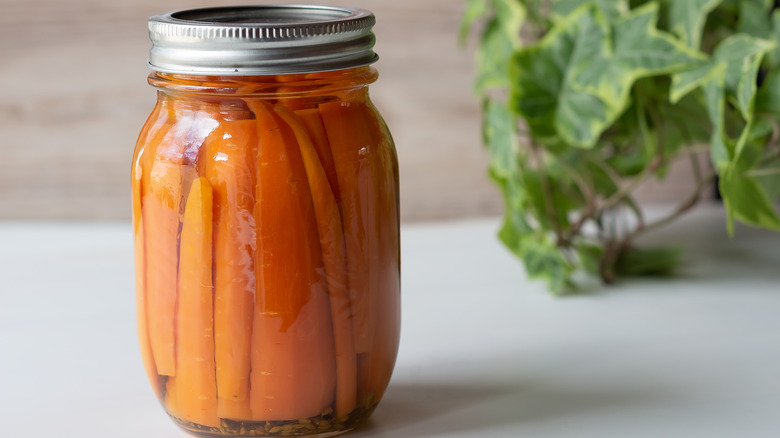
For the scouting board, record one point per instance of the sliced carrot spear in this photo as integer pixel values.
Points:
(140, 304)
(331, 236)
(153, 130)
(228, 162)
(172, 397)
(161, 199)
(311, 119)
(196, 391)
(385, 283)
(351, 144)
(293, 362)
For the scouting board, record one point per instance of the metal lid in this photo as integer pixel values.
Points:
(260, 40)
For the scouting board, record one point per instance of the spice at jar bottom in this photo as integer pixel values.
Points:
(265, 207)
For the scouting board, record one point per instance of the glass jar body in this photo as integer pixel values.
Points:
(267, 252)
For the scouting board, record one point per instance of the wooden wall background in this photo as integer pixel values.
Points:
(73, 96)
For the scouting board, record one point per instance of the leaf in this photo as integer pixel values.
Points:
(543, 260)
(475, 10)
(686, 120)
(687, 18)
(741, 54)
(576, 81)
(732, 72)
(768, 96)
(755, 18)
(647, 261)
(774, 57)
(610, 8)
(714, 92)
(515, 227)
(548, 209)
(499, 131)
(684, 83)
(746, 200)
(769, 178)
(500, 39)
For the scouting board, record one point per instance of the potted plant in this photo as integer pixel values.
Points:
(583, 101)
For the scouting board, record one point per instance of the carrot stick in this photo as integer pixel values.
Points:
(161, 200)
(228, 164)
(172, 397)
(331, 236)
(385, 285)
(293, 361)
(351, 144)
(195, 373)
(152, 131)
(311, 119)
(140, 304)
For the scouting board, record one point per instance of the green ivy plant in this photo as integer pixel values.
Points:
(583, 101)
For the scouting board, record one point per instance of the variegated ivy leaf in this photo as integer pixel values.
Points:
(741, 55)
(475, 10)
(774, 57)
(687, 18)
(714, 86)
(500, 39)
(746, 199)
(499, 134)
(733, 72)
(610, 8)
(576, 81)
(755, 18)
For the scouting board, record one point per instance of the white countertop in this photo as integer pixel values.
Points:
(484, 353)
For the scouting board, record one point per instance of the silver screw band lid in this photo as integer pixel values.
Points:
(261, 40)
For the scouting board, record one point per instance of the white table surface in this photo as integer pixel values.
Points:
(484, 352)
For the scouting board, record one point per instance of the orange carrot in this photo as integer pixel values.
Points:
(293, 361)
(351, 144)
(152, 131)
(196, 390)
(140, 304)
(172, 398)
(385, 283)
(228, 163)
(311, 119)
(331, 236)
(161, 200)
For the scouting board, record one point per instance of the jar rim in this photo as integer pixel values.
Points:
(261, 40)
(265, 86)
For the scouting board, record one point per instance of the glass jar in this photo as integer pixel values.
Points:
(265, 208)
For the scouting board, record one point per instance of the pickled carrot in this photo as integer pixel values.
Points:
(196, 391)
(161, 200)
(293, 362)
(331, 236)
(311, 119)
(228, 163)
(377, 366)
(351, 144)
(172, 397)
(154, 124)
(140, 305)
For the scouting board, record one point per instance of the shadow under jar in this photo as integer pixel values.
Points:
(265, 210)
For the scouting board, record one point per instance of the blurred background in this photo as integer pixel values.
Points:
(73, 97)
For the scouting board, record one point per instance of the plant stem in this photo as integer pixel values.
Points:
(686, 205)
(631, 186)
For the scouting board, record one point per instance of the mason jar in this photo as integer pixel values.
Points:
(266, 221)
